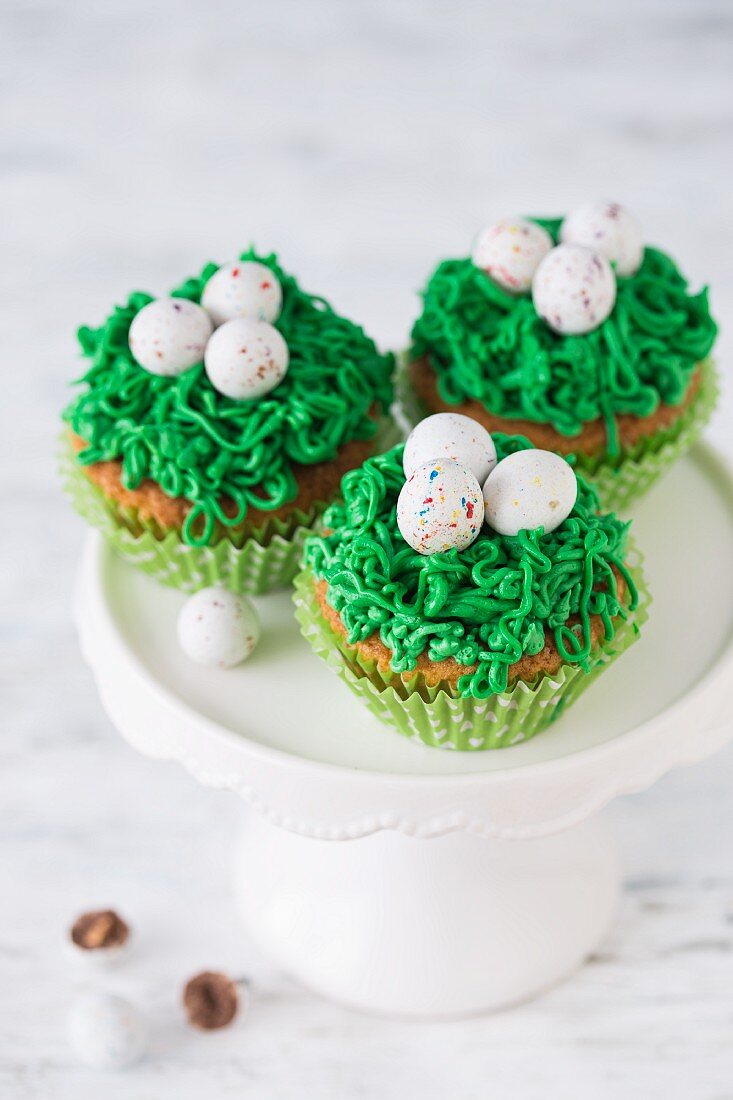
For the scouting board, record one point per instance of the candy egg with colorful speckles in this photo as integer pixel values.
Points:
(611, 229)
(106, 1031)
(529, 489)
(440, 508)
(245, 359)
(218, 628)
(574, 289)
(169, 335)
(510, 250)
(243, 288)
(453, 436)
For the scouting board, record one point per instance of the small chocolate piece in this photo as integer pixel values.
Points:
(211, 1000)
(101, 928)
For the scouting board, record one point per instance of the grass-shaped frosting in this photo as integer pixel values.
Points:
(486, 605)
(198, 444)
(491, 346)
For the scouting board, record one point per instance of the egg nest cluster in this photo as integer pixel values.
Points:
(197, 443)
(489, 345)
(484, 606)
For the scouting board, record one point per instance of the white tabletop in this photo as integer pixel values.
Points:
(362, 141)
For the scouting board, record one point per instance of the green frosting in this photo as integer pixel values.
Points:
(486, 605)
(198, 444)
(491, 346)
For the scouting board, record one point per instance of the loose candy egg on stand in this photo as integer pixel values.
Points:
(243, 288)
(106, 1031)
(218, 628)
(245, 359)
(453, 436)
(510, 250)
(169, 335)
(529, 489)
(574, 289)
(611, 229)
(440, 507)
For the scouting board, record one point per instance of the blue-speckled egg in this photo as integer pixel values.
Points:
(440, 508)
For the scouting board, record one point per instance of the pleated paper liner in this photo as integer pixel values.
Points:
(256, 561)
(622, 480)
(440, 717)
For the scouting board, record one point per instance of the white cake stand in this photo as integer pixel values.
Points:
(470, 880)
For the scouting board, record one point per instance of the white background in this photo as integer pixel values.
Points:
(364, 142)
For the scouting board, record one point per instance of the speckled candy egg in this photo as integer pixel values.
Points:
(451, 435)
(106, 1032)
(169, 335)
(510, 250)
(440, 508)
(243, 288)
(218, 628)
(245, 359)
(610, 228)
(574, 289)
(529, 489)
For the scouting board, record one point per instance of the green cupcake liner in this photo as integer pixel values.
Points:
(256, 561)
(622, 481)
(440, 717)
(618, 481)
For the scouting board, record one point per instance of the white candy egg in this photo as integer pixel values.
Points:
(574, 289)
(440, 508)
(169, 335)
(610, 228)
(510, 250)
(106, 1031)
(218, 628)
(529, 489)
(451, 435)
(246, 359)
(243, 288)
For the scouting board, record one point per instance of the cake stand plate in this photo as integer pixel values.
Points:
(470, 880)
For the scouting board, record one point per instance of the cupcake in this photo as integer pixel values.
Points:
(572, 333)
(214, 426)
(470, 596)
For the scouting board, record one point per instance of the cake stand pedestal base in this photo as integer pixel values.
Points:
(447, 927)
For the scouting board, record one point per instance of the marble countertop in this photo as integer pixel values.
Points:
(362, 140)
